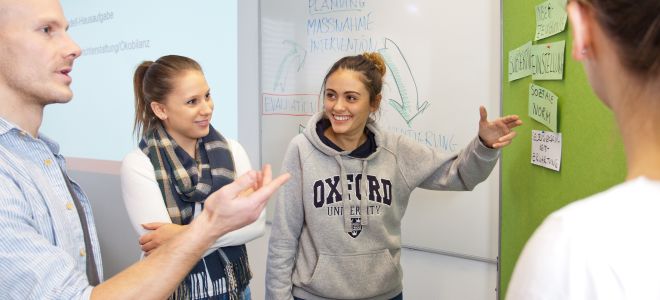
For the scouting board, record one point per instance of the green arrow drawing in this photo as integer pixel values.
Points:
(404, 80)
(295, 56)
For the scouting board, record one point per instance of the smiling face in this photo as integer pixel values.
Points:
(36, 52)
(346, 104)
(186, 111)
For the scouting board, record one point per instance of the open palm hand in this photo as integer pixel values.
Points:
(497, 133)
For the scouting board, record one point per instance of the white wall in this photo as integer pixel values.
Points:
(249, 122)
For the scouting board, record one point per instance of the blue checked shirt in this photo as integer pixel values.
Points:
(42, 248)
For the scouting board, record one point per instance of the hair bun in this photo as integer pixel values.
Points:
(377, 60)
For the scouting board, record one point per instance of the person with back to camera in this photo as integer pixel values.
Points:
(181, 159)
(336, 230)
(606, 246)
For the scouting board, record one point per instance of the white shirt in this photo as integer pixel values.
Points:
(604, 247)
(144, 201)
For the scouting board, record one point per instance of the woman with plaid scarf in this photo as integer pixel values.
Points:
(181, 159)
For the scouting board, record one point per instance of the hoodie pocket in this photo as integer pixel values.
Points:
(360, 275)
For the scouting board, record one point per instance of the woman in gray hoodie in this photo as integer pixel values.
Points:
(336, 231)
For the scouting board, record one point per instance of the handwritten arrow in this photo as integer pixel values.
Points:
(404, 80)
(296, 57)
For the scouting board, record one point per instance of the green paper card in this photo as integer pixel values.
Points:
(520, 62)
(543, 106)
(548, 61)
(550, 18)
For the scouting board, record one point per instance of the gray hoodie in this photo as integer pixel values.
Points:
(336, 231)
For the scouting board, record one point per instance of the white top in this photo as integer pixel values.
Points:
(144, 201)
(604, 247)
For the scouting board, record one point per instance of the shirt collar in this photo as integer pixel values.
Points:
(54, 146)
(6, 127)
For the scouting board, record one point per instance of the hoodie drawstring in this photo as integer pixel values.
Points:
(365, 196)
(364, 219)
(344, 195)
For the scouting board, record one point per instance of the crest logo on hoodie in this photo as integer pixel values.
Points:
(356, 227)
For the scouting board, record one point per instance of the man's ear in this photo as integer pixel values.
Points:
(158, 109)
(582, 18)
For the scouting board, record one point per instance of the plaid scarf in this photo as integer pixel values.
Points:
(183, 182)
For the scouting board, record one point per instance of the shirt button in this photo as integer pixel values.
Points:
(82, 252)
(69, 205)
(48, 162)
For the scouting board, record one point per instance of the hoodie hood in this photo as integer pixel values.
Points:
(313, 137)
(352, 224)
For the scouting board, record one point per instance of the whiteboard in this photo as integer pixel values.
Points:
(443, 62)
